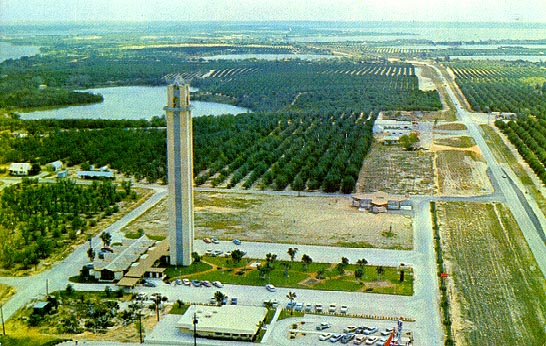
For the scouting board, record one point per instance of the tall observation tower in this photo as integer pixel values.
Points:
(180, 172)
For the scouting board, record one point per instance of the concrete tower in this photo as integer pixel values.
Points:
(180, 173)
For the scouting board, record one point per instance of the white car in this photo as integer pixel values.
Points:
(325, 336)
(371, 340)
(359, 339)
(318, 307)
(217, 284)
(343, 309)
(186, 281)
(270, 288)
(332, 308)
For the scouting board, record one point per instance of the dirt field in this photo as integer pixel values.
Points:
(462, 173)
(285, 219)
(497, 293)
(394, 170)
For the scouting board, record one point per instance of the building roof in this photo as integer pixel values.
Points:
(379, 198)
(96, 174)
(138, 269)
(124, 256)
(229, 319)
(25, 166)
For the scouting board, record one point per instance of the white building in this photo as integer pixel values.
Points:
(230, 322)
(19, 169)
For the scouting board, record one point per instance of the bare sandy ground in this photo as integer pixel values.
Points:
(286, 219)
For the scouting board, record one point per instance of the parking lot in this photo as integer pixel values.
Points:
(303, 331)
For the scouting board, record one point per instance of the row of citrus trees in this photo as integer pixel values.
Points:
(518, 87)
(529, 137)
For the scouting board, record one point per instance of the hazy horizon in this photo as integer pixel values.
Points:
(502, 11)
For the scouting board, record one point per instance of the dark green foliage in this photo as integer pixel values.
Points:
(37, 218)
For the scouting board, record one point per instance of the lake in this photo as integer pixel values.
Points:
(10, 51)
(133, 102)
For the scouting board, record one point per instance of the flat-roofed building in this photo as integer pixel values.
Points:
(19, 169)
(229, 322)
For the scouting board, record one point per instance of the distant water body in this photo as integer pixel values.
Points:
(134, 103)
(11, 51)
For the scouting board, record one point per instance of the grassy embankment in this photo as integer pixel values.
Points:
(496, 284)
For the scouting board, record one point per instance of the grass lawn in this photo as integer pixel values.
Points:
(224, 270)
(496, 283)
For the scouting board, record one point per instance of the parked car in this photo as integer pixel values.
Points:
(371, 340)
(271, 288)
(216, 253)
(347, 337)
(217, 284)
(349, 329)
(206, 283)
(370, 330)
(186, 281)
(323, 325)
(299, 306)
(359, 339)
(215, 241)
(207, 240)
(343, 309)
(318, 307)
(178, 282)
(335, 337)
(290, 305)
(196, 283)
(332, 308)
(325, 336)
(308, 307)
(233, 301)
(236, 242)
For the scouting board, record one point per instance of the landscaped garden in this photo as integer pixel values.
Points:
(342, 276)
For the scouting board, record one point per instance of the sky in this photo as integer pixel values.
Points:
(270, 10)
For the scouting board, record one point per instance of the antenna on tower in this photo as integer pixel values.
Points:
(176, 79)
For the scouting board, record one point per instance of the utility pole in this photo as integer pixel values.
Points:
(195, 321)
(47, 287)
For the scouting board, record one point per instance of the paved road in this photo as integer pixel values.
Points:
(531, 230)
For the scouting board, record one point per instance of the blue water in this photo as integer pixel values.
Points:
(134, 103)
(10, 51)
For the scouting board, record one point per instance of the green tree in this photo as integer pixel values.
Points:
(380, 270)
(237, 255)
(291, 296)
(106, 238)
(306, 260)
(362, 265)
(358, 274)
(408, 141)
(292, 253)
(219, 296)
(195, 257)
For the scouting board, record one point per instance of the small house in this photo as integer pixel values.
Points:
(55, 166)
(19, 169)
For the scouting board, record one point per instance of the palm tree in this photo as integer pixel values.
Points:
(361, 264)
(380, 270)
(292, 253)
(291, 296)
(306, 259)
(358, 274)
(219, 296)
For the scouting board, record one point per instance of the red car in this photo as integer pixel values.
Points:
(207, 240)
